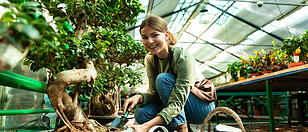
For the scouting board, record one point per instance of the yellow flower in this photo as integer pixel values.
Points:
(298, 51)
(243, 61)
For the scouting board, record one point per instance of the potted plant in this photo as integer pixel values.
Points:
(270, 62)
(253, 64)
(281, 58)
(258, 105)
(296, 49)
(232, 70)
(266, 62)
(243, 69)
(243, 105)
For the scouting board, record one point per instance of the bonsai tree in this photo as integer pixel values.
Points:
(87, 50)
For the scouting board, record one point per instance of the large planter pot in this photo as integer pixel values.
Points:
(253, 75)
(295, 64)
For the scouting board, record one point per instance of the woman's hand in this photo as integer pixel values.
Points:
(158, 120)
(131, 102)
(139, 128)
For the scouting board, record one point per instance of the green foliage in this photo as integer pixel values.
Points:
(233, 68)
(23, 25)
(85, 30)
(106, 13)
(292, 43)
(241, 102)
(236, 67)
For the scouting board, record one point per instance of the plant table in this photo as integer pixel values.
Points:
(292, 79)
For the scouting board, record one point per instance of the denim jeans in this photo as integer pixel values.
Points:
(194, 112)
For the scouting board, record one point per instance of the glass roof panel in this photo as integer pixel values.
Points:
(196, 28)
(234, 26)
(208, 72)
(186, 38)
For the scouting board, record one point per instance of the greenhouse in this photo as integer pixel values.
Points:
(154, 65)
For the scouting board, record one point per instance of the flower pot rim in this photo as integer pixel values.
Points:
(295, 64)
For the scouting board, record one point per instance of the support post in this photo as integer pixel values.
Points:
(270, 105)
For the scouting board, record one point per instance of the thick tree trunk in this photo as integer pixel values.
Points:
(68, 110)
(102, 105)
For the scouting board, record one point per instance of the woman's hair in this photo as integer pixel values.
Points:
(160, 25)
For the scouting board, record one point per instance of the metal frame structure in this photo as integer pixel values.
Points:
(190, 15)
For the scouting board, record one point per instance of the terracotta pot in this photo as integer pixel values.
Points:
(265, 72)
(253, 75)
(257, 111)
(295, 64)
(241, 78)
(244, 111)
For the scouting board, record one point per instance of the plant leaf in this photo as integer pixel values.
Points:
(3, 27)
(31, 32)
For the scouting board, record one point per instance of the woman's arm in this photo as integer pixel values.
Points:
(184, 69)
(130, 103)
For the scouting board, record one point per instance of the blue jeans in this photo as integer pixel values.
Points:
(194, 112)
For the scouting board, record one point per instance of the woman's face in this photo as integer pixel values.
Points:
(154, 41)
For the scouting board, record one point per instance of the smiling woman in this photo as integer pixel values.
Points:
(154, 41)
(171, 73)
(155, 36)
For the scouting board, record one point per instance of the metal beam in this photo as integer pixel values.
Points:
(212, 44)
(191, 16)
(182, 4)
(231, 44)
(166, 15)
(150, 7)
(268, 2)
(247, 22)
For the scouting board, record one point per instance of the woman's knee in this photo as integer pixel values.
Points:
(164, 80)
(146, 113)
(140, 115)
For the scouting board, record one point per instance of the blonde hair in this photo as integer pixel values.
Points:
(160, 25)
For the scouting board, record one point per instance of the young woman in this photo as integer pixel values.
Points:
(171, 74)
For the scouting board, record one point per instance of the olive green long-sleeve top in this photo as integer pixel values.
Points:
(184, 71)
